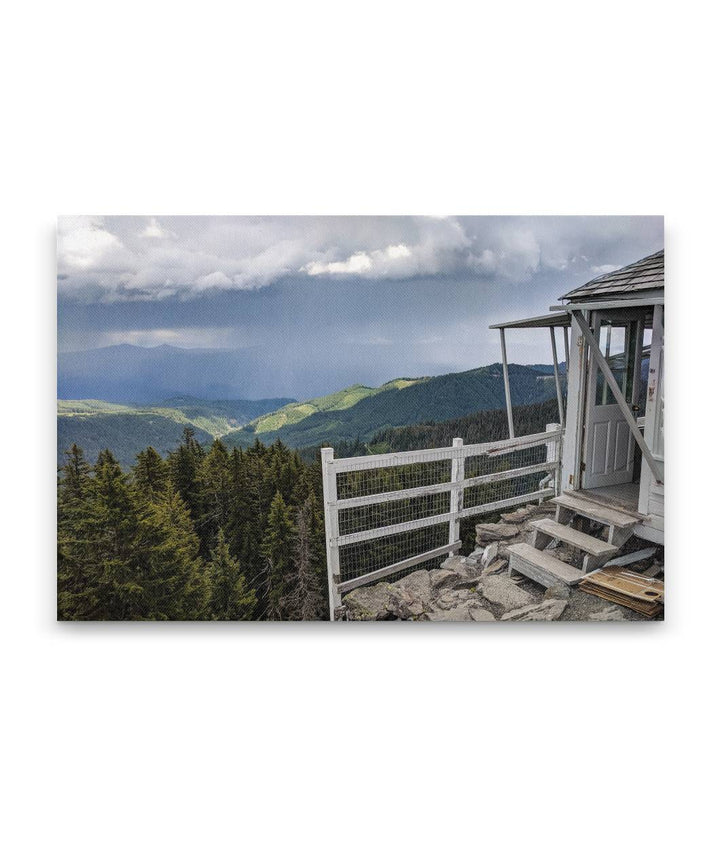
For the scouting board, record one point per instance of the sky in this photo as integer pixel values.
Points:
(341, 299)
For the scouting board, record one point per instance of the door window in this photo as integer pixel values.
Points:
(617, 343)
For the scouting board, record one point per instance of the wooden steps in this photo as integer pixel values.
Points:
(541, 567)
(595, 511)
(597, 552)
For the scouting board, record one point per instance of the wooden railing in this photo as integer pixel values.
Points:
(432, 490)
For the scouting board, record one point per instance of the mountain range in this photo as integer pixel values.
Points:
(355, 413)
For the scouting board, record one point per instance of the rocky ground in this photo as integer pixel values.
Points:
(478, 588)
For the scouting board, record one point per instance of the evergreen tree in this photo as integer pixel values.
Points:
(305, 600)
(277, 550)
(171, 583)
(230, 597)
(150, 474)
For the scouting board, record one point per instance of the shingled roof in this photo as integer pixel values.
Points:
(640, 276)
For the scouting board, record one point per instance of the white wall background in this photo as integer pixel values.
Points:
(356, 739)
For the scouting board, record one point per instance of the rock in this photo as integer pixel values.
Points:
(456, 563)
(495, 568)
(478, 613)
(502, 592)
(520, 515)
(610, 613)
(548, 610)
(411, 595)
(485, 532)
(444, 577)
(370, 603)
(557, 591)
(457, 613)
(447, 600)
(476, 554)
(489, 554)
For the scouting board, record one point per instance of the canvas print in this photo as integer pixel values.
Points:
(287, 418)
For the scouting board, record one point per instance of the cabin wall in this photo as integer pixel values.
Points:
(652, 492)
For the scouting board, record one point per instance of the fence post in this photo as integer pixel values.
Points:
(332, 529)
(553, 454)
(457, 474)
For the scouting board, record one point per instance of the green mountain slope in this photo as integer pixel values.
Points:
(126, 433)
(429, 399)
(292, 414)
(95, 425)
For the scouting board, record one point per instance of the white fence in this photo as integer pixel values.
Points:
(387, 513)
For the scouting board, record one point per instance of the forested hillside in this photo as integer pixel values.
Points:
(197, 535)
(439, 398)
(126, 429)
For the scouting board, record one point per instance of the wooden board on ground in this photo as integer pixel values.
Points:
(618, 585)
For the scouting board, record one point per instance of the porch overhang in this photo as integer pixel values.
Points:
(651, 299)
(562, 319)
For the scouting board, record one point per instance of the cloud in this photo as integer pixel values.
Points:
(155, 230)
(110, 259)
(601, 269)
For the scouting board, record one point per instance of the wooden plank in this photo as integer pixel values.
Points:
(393, 529)
(492, 478)
(594, 511)
(366, 579)
(508, 502)
(541, 567)
(392, 495)
(637, 556)
(568, 535)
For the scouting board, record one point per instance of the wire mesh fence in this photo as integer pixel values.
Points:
(385, 514)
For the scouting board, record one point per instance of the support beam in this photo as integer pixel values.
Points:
(556, 370)
(617, 393)
(567, 353)
(506, 378)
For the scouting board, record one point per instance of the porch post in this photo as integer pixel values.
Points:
(506, 378)
(617, 393)
(558, 387)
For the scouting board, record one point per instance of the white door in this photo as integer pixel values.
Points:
(609, 449)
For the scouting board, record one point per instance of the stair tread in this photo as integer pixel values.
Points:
(567, 573)
(594, 511)
(586, 543)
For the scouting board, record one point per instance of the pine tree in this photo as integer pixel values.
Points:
(230, 597)
(171, 583)
(277, 550)
(305, 600)
(73, 490)
(150, 474)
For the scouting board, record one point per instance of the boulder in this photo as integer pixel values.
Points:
(444, 577)
(486, 532)
(495, 568)
(501, 591)
(411, 595)
(458, 563)
(489, 554)
(548, 610)
(520, 515)
(370, 603)
(478, 613)
(456, 613)
(557, 591)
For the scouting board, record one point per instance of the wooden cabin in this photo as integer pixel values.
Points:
(610, 400)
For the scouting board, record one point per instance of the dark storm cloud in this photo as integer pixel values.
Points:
(332, 300)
